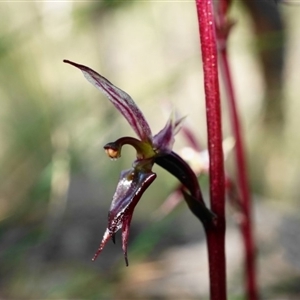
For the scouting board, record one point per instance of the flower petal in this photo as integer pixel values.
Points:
(132, 184)
(125, 235)
(105, 239)
(121, 100)
(163, 141)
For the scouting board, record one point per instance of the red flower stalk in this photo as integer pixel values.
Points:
(215, 233)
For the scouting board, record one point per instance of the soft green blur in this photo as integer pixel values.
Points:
(56, 182)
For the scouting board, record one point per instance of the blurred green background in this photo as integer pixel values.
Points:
(57, 183)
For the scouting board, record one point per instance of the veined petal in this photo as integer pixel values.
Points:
(132, 184)
(163, 141)
(121, 100)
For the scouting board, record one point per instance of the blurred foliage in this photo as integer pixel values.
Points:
(55, 181)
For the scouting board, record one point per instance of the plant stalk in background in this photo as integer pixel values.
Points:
(223, 28)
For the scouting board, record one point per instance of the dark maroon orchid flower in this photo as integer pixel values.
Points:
(150, 149)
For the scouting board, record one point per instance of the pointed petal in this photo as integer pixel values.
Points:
(178, 124)
(163, 141)
(105, 239)
(125, 236)
(121, 100)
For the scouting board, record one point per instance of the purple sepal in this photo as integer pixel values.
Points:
(121, 100)
(163, 141)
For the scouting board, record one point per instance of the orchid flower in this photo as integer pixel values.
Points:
(149, 150)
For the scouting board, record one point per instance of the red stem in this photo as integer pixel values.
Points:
(215, 232)
(242, 178)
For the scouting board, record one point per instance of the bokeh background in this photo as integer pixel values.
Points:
(57, 183)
